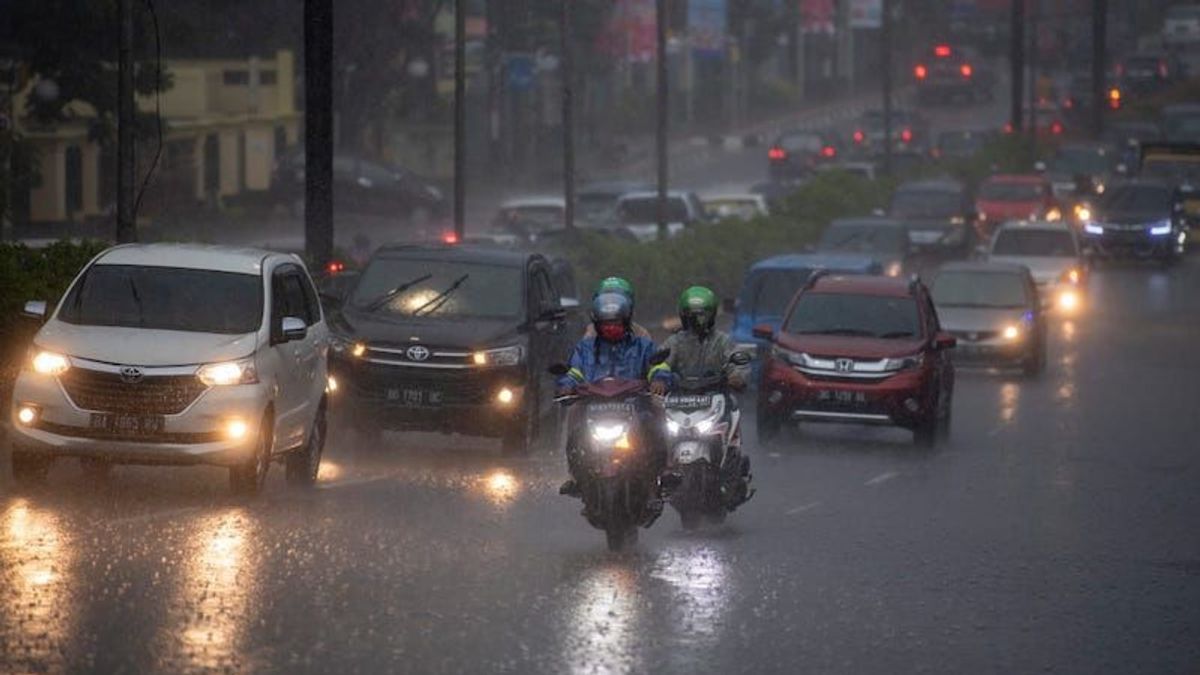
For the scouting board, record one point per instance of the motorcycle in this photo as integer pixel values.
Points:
(611, 439)
(703, 429)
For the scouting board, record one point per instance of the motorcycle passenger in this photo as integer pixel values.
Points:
(622, 286)
(614, 351)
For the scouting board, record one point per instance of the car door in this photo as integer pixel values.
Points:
(547, 334)
(290, 357)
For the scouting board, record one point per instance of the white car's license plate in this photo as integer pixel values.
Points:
(128, 424)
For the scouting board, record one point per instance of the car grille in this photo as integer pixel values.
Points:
(418, 356)
(152, 395)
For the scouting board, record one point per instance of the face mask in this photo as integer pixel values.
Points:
(613, 332)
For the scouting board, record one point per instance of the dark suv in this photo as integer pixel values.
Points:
(452, 339)
(858, 349)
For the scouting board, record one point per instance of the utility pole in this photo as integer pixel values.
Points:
(126, 218)
(885, 40)
(318, 131)
(1032, 58)
(661, 137)
(566, 70)
(460, 116)
(1099, 64)
(1016, 60)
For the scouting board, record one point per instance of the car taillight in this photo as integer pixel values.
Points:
(906, 135)
(1008, 128)
(1114, 98)
(829, 151)
(450, 238)
(777, 153)
(920, 72)
(1162, 69)
(335, 267)
(1056, 128)
(941, 51)
(859, 136)
(966, 70)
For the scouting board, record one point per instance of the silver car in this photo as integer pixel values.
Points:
(1053, 255)
(994, 311)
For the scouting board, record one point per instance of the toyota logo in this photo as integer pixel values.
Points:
(417, 353)
(843, 365)
(131, 374)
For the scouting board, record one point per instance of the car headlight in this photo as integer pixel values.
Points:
(704, 426)
(1071, 276)
(1054, 214)
(794, 358)
(894, 269)
(1011, 332)
(228, 373)
(1082, 213)
(1092, 228)
(672, 427)
(1161, 228)
(904, 362)
(49, 363)
(504, 356)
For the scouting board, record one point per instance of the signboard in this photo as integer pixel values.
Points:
(866, 13)
(817, 16)
(706, 26)
(520, 72)
(630, 34)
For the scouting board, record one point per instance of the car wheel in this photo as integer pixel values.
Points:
(943, 423)
(247, 479)
(95, 470)
(521, 437)
(304, 464)
(30, 469)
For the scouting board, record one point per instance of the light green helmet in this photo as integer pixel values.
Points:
(698, 309)
(616, 285)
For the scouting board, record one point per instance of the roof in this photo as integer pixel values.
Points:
(861, 284)
(614, 187)
(983, 267)
(808, 261)
(1035, 225)
(942, 184)
(730, 197)
(860, 221)
(1021, 178)
(456, 252)
(190, 256)
(647, 194)
(534, 202)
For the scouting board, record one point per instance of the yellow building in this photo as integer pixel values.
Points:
(225, 122)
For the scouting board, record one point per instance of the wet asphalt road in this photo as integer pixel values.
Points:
(1055, 532)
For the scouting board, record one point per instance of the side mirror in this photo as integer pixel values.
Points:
(569, 304)
(293, 329)
(740, 359)
(558, 369)
(945, 341)
(35, 309)
(763, 331)
(1039, 167)
(660, 356)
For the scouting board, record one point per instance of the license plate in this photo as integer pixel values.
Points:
(126, 424)
(689, 401)
(925, 236)
(414, 397)
(842, 397)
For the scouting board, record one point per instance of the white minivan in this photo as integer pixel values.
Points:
(177, 354)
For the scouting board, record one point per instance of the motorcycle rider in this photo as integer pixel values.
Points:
(622, 286)
(614, 351)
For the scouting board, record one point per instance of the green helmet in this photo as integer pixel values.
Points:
(616, 285)
(698, 309)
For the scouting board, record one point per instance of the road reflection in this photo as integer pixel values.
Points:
(500, 487)
(603, 624)
(1010, 399)
(211, 611)
(700, 582)
(35, 555)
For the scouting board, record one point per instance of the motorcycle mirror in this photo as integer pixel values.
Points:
(660, 356)
(739, 359)
(558, 369)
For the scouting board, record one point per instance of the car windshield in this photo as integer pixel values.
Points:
(1000, 290)
(1005, 191)
(1172, 169)
(531, 218)
(165, 298)
(801, 143)
(596, 205)
(1136, 198)
(440, 288)
(1035, 243)
(1087, 161)
(855, 315)
(642, 210)
(864, 238)
(768, 293)
(918, 203)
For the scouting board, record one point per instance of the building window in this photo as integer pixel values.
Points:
(236, 78)
(268, 78)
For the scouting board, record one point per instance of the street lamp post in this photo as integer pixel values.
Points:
(567, 73)
(661, 130)
(460, 116)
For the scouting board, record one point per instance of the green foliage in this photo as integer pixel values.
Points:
(36, 274)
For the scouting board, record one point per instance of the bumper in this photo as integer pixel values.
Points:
(197, 435)
(1132, 245)
(997, 352)
(903, 399)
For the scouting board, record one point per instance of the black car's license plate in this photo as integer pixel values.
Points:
(128, 424)
(414, 397)
(844, 398)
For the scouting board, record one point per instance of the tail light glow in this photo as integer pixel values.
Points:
(859, 136)
(777, 153)
(920, 72)
(906, 135)
(829, 151)
(941, 51)
(966, 70)
(450, 238)
(335, 267)
(1056, 128)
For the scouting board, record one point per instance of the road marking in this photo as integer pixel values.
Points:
(882, 478)
(801, 509)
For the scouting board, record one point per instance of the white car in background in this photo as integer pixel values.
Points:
(177, 354)
(1181, 26)
(637, 213)
(1052, 253)
(738, 206)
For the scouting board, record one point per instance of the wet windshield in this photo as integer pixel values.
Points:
(643, 210)
(1137, 198)
(864, 238)
(1037, 243)
(855, 315)
(442, 289)
(940, 204)
(998, 290)
(166, 298)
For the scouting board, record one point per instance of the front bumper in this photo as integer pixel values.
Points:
(992, 351)
(197, 435)
(1132, 244)
(903, 399)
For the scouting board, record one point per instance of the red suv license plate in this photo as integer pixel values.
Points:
(845, 398)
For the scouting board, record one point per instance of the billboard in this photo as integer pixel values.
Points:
(630, 33)
(817, 16)
(706, 26)
(866, 13)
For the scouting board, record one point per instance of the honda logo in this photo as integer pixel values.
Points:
(131, 374)
(843, 365)
(417, 353)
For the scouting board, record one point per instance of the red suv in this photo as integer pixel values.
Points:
(858, 349)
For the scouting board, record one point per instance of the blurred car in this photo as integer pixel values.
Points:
(993, 311)
(1138, 219)
(1181, 25)
(796, 153)
(1128, 136)
(1146, 73)
(596, 203)
(909, 132)
(774, 191)
(1181, 123)
(637, 213)
(939, 214)
(864, 170)
(736, 206)
(885, 241)
(1014, 197)
(946, 73)
(362, 186)
(1094, 163)
(526, 218)
(960, 144)
(1053, 255)
(1177, 165)
(861, 350)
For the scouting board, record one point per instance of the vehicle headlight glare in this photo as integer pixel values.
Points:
(704, 426)
(1093, 228)
(26, 414)
(1054, 214)
(1068, 300)
(607, 433)
(894, 269)
(504, 356)
(1011, 332)
(235, 429)
(505, 396)
(672, 427)
(1161, 228)
(358, 350)
(1083, 213)
(50, 363)
(228, 373)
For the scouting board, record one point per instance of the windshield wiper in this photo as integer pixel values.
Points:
(137, 298)
(387, 297)
(440, 299)
(839, 331)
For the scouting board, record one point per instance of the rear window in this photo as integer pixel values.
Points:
(165, 298)
(1003, 191)
(926, 204)
(855, 315)
(1036, 243)
(864, 238)
(645, 210)
(801, 143)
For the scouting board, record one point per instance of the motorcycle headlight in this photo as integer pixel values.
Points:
(49, 363)
(504, 356)
(607, 433)
(904, 362)
(1011, 332)
(228, 373)
(672, 427)
(1161, 228)
(704, 426)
